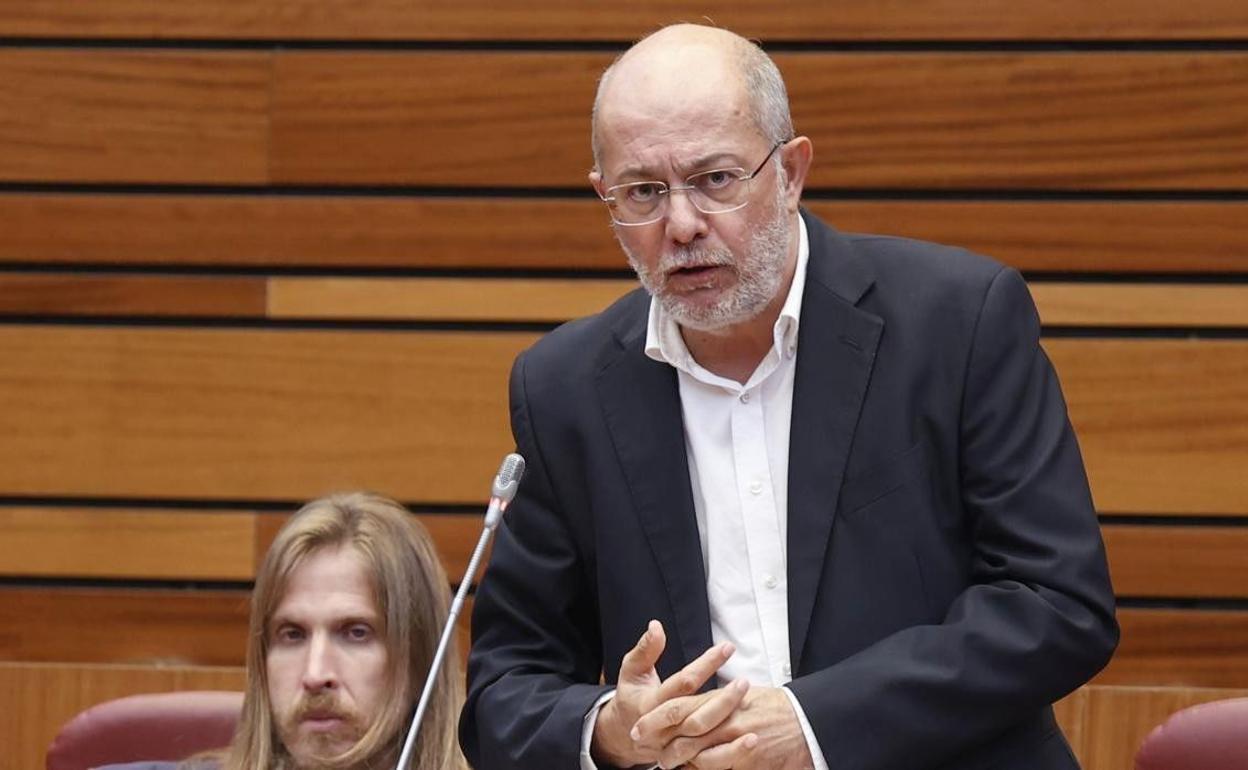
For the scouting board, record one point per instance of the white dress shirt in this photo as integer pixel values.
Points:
(737, 442)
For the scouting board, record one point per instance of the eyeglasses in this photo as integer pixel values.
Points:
(717, 191)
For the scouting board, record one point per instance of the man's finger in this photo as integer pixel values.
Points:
(687, 680)
(658, 726)
(726, 755)
(689, 716)
(638, 663)
(713, 711)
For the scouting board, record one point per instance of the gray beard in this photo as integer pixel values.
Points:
(760, 271)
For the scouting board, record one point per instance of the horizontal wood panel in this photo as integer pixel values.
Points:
(65, 294)
(113, 116)
(451, 299)
(252, 414)
(188, 545)
(220, 413)
(517, 233)
(1190, 648)
(1137, 305)
(1157, 121)
(37, 699)
(120, 625)
(173, 544)
(803, 20)
(1159, 561)
(131, 625)
(1117, 719)
(470, 299)
(1163, 424)
(438, 118)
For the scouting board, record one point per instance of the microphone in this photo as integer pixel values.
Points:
(503, 490)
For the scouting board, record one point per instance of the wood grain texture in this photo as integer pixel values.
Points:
(803, 20)
(161, 627)
(61, 294)
(433, 118)
(124, 625)
(151, 544)
(172, 544)
(1174, 647)
(37, 699)
(1117, 719)
(1200, 562)
(565, 233)
(125, 116)
(226, 413)
(252, 414)
(448, 299)
(1154, 121)
(1141, 305)
(1163, 424)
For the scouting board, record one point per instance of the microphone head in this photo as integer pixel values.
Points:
(508, 479)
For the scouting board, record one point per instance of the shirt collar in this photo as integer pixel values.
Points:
(665, 343)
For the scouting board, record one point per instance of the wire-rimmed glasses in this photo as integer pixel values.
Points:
(717, 191)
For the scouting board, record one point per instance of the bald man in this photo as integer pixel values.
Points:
(804, 500)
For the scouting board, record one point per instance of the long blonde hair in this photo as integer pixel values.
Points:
(412, 594)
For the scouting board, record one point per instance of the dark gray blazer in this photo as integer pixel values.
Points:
(947, 580)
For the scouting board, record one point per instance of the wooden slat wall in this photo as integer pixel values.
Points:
(468, 20)
(254, 252)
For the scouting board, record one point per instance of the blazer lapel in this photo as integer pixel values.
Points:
(641, 403)
(836, 350)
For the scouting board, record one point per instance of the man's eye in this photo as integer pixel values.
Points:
(288, 635)
(715, 180)
(643, 193)
(359, 632)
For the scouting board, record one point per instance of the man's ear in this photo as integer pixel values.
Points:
(797, 157)
(595, 181)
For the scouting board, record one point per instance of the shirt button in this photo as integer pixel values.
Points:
(787, 669)
(769, 581)
(745, 398)
(756, 487)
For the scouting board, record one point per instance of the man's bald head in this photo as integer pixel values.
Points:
(685, 61)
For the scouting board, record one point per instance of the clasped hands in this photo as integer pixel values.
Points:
(669, 724)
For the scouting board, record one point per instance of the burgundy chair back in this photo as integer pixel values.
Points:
(164, 726)
(1210, 736)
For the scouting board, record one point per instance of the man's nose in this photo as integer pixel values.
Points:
(318, 668)
(684, 222)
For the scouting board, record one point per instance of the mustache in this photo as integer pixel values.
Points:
(322, 705)
(694, 256)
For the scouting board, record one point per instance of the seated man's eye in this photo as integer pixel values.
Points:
(288, 635)
(359, 632)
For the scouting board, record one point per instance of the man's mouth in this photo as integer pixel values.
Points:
(322, 719)
(692, 276)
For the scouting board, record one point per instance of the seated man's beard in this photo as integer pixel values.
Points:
(310, 750)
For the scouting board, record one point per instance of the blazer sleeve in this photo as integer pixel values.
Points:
(531, 662)
(1036, 619)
